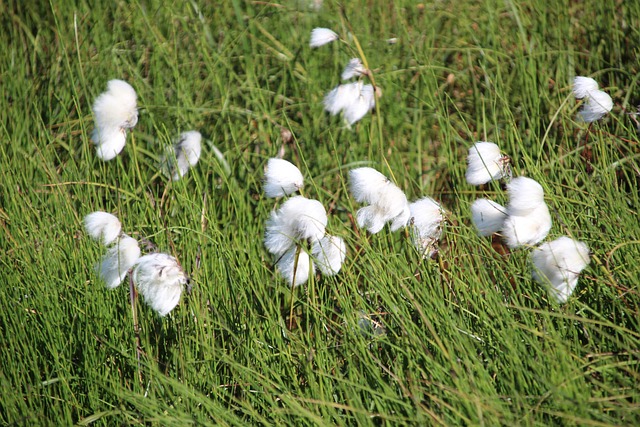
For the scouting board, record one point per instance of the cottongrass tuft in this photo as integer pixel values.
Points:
(329, 254)
(597, 102)
(298, 219)
(485, 162)
(295, 266)
(160, 280)
(426, 225)
(183, 155)
(102, 226)
(488, 216)
(322, 36)
(281, 178)
(115, 111)
(118, 260)
(558, 264)
(386, 201)
(355, 100)
(354, 68)
(528, 219)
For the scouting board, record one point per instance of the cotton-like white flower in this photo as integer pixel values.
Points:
(341, 97)
(116, 108)
(295, 272)
(329, 254)
(354, 68)
(297, 219)
(365, 102)
(115, 111)
(109, 142)
(282, 178)
(525, 195)
(598, 104)
(183, 155)
(118, 260)
(386, 201)
(102, 226)
(558, 264)
(355, 100)
(488, 216)
(528, 219)
(160, 280)
(530, 229)
(485, 162)
(426, 225)
(322, 36)
(582, 86)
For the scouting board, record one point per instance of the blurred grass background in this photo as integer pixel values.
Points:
(469, 339)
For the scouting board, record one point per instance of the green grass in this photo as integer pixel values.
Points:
(468, 339)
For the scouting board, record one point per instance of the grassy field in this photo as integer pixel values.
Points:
(466, 339)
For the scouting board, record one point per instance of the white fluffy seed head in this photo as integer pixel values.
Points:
(116, 108)
(102, 226)
(295, 266)
(528, 229)
(354, 68)
(329, 254)
(341, 97)
(386, 201)
(582, 86)
(118, 260)
(322, 36)
(426, 225)
(361, 105)
(297, 219)
(160, 280)
(488, 216)
(109, 142)
(525, 195)
(598, 104)
(282, 178)
(485, 162)
(558, 264)
(183, 155)
(366, 184)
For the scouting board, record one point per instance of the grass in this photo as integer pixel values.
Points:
(467, 339)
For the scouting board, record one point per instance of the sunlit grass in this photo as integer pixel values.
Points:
(468, 338)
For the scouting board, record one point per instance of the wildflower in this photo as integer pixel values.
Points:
(103, 226)
(582, 86)
(295, 265)
(488, 216)
(183, 155)
(528, 220)
(322, 36)
(160, 280)
(329, 254)
(354, 99)
(109, 142)
(354, 69)
(115, 111)
(558, 264)
(386, 201)
(297, 219)
(118, 260)
(281, 178)
(485, 163)
(598, 103)
(426, 225)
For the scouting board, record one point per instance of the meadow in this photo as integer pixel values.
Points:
(467, 338)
